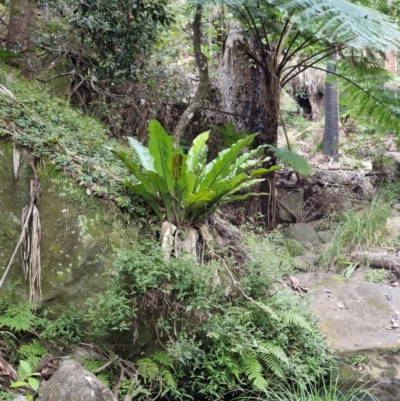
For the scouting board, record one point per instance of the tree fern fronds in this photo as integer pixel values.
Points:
(253, 371)
(345, 22)
(292, 317)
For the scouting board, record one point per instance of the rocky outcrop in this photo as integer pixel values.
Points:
(361, 321)
(72, 382)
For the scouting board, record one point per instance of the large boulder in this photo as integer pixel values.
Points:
(78, 232)
(72, 382)
(361, 321)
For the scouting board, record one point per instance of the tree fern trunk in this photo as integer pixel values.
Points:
(331, 133)
(270, 137)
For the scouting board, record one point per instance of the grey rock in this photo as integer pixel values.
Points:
(72, 382)
(76, 234)
(305, 262)
(302, 232)
(324, 237)
(356, 317)
(293, 200)
(308, 245)
(20, 398)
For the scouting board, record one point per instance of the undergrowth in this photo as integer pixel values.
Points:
(216, 337)
(359, 230)
(77, 144)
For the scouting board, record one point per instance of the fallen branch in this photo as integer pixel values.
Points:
(377, 260)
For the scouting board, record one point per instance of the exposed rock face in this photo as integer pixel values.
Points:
(72, 382)
(76, 233)
(359, 319)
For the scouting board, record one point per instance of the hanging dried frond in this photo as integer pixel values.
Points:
(16, 159)
(30, 243)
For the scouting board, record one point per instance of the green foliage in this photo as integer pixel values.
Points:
(377, 276)
(19, 317)
(31, 353)
(342, 21)
(106, 40)
(297, 162)
(360, 230)
(230, 135)
(74, 143)
(66, 328)
(92, 365)
(189, 187)
(26, 378)
(375, 99)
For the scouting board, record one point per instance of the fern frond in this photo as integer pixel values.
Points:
(163, 359)
(167, 378)
(253, 371)
(273, 365)
(32, 353)
(19, 317)
(341, 21)
(92, 365)
(148, 369)
(266, 347)
(292, 317)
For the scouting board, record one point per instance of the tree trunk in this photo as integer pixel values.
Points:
(20, 31)
(204, 80)
(391, 61)
(330, 145)
(269, 136)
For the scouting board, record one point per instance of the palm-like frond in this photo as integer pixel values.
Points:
(341, 21)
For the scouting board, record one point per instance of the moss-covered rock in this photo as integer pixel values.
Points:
(78, 233)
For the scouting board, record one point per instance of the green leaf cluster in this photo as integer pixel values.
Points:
(187, 187)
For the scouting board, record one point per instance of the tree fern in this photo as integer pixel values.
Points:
(342, 21)
(375, 97)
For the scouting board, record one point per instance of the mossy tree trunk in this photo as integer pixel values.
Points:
(204, 80)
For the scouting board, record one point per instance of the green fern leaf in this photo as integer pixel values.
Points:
(273, 365)
(253, 371)
(267, 347)
(294, 318)
(163, 359)
(19, 317)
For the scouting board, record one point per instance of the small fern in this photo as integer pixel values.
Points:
(32, 353)
(292, 317)
(92, 365)
(19, 317)
(157, 369)
(294, 160)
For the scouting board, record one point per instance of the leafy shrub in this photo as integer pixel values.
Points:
(216, 344)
